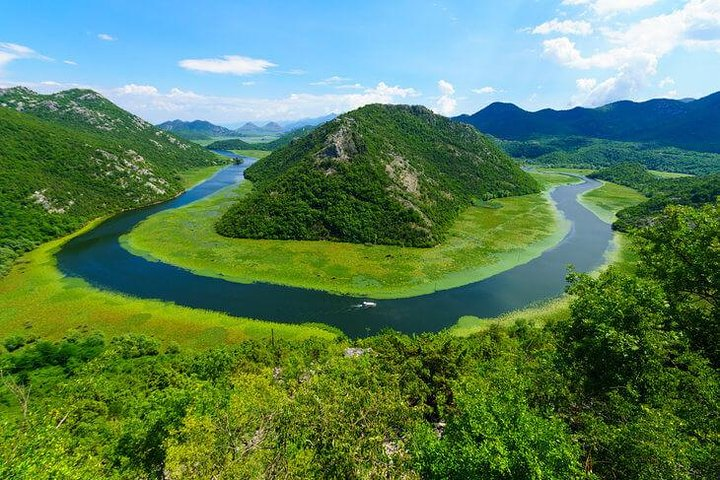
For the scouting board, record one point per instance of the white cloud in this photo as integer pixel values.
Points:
(228, 64)
(133, 89)
(635, 52)
(484, 90)
(350, 86)
(586, 84)
(446, 103)
(248, 84)
(666, 82)
(106, 37)
(69, 62)
(334, 80)
(12, 51)
(155, 105)
(566, 27)
(610, 7)
(446, 88)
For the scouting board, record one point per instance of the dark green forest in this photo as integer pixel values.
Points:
(661, 192)
(73, 156)
(381, 174)
(585, 152)
(626, 387)
(690, 124)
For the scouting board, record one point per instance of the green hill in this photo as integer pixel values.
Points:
(73, 156)
(661, 192)
(195, 130)
(380, 174)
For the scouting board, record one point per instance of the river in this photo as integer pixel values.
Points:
(97, 257)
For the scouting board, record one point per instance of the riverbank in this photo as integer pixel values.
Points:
(482, 243)
(37, 300)
(604, 201)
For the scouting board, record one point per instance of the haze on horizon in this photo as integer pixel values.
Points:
(263, 61)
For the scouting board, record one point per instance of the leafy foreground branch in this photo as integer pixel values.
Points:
(627, 388)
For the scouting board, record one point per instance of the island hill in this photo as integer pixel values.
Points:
(381, 174)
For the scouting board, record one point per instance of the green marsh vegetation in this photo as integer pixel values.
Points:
(36, 300)
(625, 385)
(482, 242)
(661, 192)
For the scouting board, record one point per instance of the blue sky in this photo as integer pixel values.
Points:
(231, 61)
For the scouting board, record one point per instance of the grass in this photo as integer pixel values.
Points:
(605, 202)
(253, 153)
(610, 198)
(662, 174)
(482, 243)
(552, 310)
(192, 177)
(37, 300)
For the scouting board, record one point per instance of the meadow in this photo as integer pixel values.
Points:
(483, 242)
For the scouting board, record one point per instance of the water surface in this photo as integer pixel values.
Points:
(97, 257)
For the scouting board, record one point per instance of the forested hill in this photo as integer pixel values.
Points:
(195, 130)
(693, 124)
(661, 192)
(380, 174)
(74, 155)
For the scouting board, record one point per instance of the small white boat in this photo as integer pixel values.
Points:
(365, 305)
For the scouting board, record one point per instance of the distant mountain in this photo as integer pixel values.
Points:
(689, 124)
(196, 130)
(238, 144)
(273, 127)
(313, 121)
(73, 156)
(383, 174)
(249, 127)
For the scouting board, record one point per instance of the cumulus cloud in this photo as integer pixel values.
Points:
(106, 37)
(12, 51)
(484, 90)
(565, 27)
(446, 103)
(228, 64)
(149, 102)
(610, 7)
(635, 51)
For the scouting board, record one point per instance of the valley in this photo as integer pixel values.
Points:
(258, 241)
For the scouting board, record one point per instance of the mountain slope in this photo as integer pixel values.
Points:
(195, 130)
(379, 174)
(693, 125)
(72, 156)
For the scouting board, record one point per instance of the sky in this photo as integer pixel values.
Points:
(247, 60)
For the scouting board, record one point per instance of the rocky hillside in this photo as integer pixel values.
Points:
(379, 174)
(196, 130)
(73, 156)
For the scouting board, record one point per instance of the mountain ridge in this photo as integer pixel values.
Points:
(693, 125)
